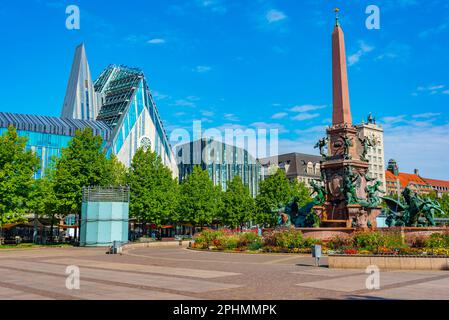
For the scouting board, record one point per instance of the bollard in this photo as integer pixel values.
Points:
(316, 253)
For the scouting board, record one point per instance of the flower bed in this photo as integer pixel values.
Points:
(285, 241)
(379, 243)
(391, 244)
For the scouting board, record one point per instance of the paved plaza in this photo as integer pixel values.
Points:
(168, 273)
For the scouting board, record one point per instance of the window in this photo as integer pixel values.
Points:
(310, 168)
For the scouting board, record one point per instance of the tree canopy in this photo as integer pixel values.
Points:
(154, 192)
(83, 163)
(17, 168)
(275, 192)
(200, 199)
(238, 204)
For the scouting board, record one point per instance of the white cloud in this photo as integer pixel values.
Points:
(269, 126)
(279, 115)
(160, 96)
(202, 69)
(274, 15)
(426, 115)
(231, 117)
(431, 90)
(442, 27)
(307, 107)
(301, 145)
(394, 119)
(395, 51)
(419, 145)
(314, 129)
(207, 113)
(187, 102)
(156, 41)
(216, 6)
(363, 50)
(305, 116)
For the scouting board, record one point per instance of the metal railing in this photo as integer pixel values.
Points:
(106, 194)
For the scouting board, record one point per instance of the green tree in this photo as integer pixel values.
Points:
(154, 192)
(116, 171)
(238, 204)
(200, 199)
(300, 190)
(274, 192)
(82, 164)
(17, 167)
(42, 200)
(444, 202)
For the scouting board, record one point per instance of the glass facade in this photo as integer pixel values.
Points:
(45, 145)
(125, 96)
(222, 161)
(127, 115)
(48, 135)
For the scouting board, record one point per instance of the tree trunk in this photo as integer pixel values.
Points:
(52, 221)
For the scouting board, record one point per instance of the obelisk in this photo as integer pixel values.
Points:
(344, 172)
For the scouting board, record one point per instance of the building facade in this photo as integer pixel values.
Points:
(81, 100)
(297, 166)
(222, 161)
(48, 135)
(118, 106)
(441, 187)
(376, 153)
(397, 181)
(128, 108)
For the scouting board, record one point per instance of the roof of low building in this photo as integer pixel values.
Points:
(437, 183)
(297, 162)
(406, 179)
(52, 125)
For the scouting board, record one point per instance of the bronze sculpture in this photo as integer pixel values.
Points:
(321, 144)
(366, 144)
(372, 192)
(349, 187)
(415, 211)
(320, 193)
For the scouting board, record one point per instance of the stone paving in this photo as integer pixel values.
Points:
(172, 273)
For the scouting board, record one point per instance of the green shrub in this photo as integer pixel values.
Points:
(418, 242)
(228, 242)
(372, 241)
(368, 240)
(338, 242)
(438, 240)
(246, 238)
(289, 239)
(251, 240)
(256, 245)
(394, 240)
(207, 238)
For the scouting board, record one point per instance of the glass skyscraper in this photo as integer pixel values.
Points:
(222, 161)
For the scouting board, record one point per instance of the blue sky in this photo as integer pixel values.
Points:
(247, 64)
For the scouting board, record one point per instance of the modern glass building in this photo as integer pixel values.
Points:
(48, 135)
(222, 161)
(118, 106)
(128, 108)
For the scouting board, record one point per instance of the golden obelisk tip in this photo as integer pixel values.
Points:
(336, 10)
